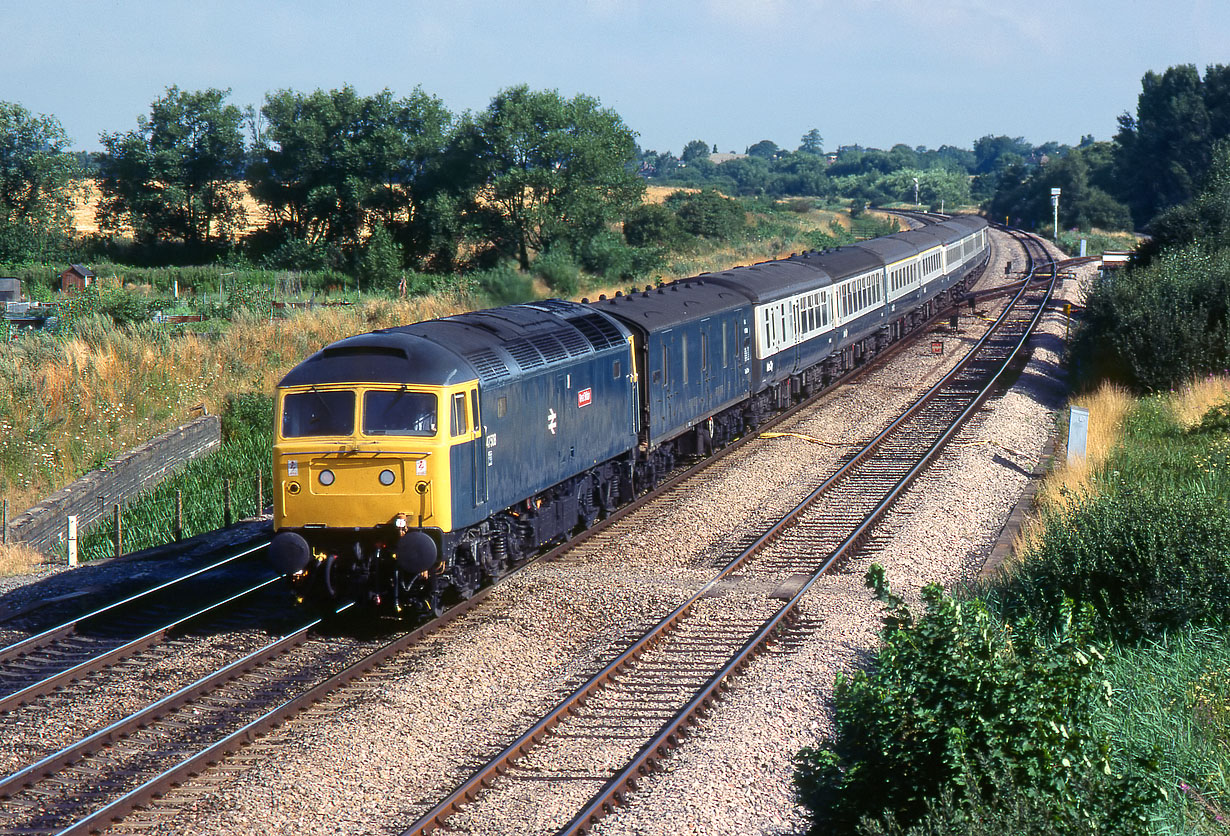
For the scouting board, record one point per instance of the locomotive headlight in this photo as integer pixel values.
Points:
(387, 478)
(326, 477)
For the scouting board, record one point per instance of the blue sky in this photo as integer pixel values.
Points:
(730, 72)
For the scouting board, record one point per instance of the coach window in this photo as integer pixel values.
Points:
(459, 414)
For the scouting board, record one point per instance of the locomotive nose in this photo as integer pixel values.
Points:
(289, 553)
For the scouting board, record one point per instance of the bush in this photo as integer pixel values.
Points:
(652, 225)
(247, 414)
(559, 271)
(708, 214)
(504, 284)
(1144, 561)
(956, 702)
(606, 255)
(1154, 328)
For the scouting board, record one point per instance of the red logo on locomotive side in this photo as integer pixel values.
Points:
(584, 397)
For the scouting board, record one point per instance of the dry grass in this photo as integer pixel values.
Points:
(87, 202)
(1068, 483)
(1191, 403)
(19, 559)
(68, 406)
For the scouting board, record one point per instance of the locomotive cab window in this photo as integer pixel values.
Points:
(313, 413)
(615, 370)
(458, 421)
(400, 412)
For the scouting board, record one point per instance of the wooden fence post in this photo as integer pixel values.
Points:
(260, 492)
(226, 501)
(4, 527)
(179, 516)
(119, 531)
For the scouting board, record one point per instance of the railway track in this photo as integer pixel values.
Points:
(614, 728)
(138, 758)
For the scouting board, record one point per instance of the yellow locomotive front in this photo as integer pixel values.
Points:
(364, 438)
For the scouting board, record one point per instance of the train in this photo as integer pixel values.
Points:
(415, 464)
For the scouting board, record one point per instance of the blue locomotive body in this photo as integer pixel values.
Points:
(418, 462)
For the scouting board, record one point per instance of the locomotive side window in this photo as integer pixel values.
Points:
(399, 413)
(474, 408)
(704, 351)
(501, 407)
(316, 413)
(458, 422)
(615, 370)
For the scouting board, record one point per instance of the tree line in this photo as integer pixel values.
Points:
(351, 182)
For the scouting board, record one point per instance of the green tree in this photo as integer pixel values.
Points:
(708, 214)
(1164, 150)
(697, 149)
(765, 149)
(811, 142)
(332, 163)
(380, 263)
(548, 170)
(38, 179)
(176, 176)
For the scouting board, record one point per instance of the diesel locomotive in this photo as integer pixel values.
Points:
(414, 464)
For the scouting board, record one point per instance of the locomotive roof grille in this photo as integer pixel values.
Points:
(527, 356)
(489, 366)
(552, 349)
(598, 330)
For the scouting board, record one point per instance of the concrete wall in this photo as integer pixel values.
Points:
(93, 496)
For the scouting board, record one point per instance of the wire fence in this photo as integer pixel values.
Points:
(207, 494)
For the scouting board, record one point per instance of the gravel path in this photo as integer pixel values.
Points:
(371, 762)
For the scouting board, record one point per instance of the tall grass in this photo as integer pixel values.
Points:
(68, 405)
(1171, 704)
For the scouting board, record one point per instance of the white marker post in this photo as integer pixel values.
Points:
(1078, 433)
(72, 540)
(1055, 206)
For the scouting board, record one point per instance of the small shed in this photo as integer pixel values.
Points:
(75, 278)
(10, 290)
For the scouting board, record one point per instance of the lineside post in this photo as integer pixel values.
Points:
(4, 525)
(119, 531)
(179, 516)
(226, 501)
(72, 539)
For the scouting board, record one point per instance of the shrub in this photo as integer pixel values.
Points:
(504, 284)
(708, 214)
(652, 224)
(1156, 327)
(1145, 562)
(246, 414)
(559, 271)
(957, 701)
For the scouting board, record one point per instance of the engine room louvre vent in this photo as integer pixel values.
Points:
(599, 331)
(552, 349)
(489, 365)
(576, 344)
(525, 354)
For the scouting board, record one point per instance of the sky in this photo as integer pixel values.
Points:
(729, 72)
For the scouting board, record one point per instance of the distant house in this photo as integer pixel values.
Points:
(718, 159)
(76, 278)
(10, 290)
